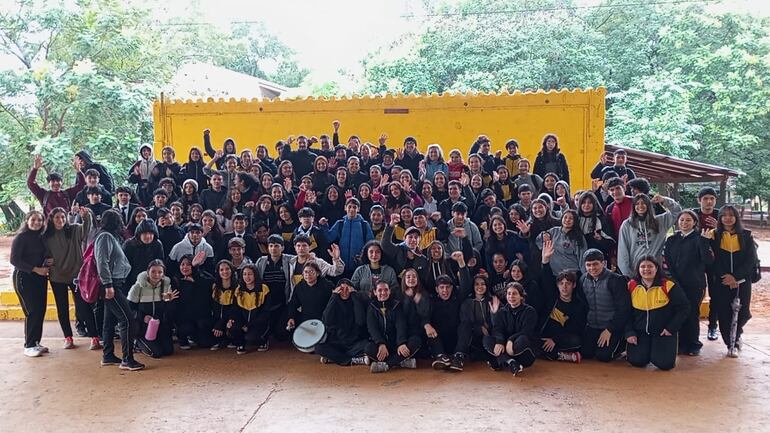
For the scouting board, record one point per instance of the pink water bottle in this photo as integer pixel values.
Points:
(152, 329)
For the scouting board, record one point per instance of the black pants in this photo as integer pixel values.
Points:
(31, 289)
(658, 350)
(162, 345)
(590, 348)
(564, 343)
(198, 330)
(86, 314)
(712, 306)
(255, 335)
(278, 319)
(523, 352)
(341, 353)
(723, 303)
(117, 312)
(444, 344)
(60, 295)
(470, 341)
(689, 335)
(394, 358)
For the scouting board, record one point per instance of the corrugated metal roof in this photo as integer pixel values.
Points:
(659, 168)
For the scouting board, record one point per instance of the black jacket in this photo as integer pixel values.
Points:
(739, 264)
(386, 323)
(662, 306)
(551, 163)
(194, 301)
(139, 255)
(312, 300)
(301, 159)
(686, 259)
(509, 323)
(345, 321)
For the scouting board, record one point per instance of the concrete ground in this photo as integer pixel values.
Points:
(286, 391)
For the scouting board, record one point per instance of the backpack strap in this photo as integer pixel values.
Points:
(45, 198)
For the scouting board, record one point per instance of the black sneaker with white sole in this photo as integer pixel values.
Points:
(515, 367)
(131, 365)
(458, 362)
(442, 362)
(110, 359)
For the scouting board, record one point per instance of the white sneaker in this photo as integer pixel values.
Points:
(68, 343)
(379, 367)
(360, 360)
(32, 352)
(41, 348)
(408, 363)
(732, 353)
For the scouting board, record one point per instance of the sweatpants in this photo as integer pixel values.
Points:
(444, 344)
(256, 334)
(60, 295)
(394, 358)
(712, 305)
(658, 350)
(198, 331)
(31, 289)
(278, 319)
(523, 352)
(87, 315)
(689, 334)
(162, 345)
(564, 343)
(723, 301)
(590, 348)
(470, 341)
(341, 353)
(117, 312)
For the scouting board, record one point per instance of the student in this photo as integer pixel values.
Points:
(455, 167)
(64, 246)
(569, 243)
(193, 244)
(95, 203)
(735, 261)
(355, 175)
(141, 173)
(142, 249)
(30, 279)
(307, 227)
(644, 233)
(159, 201)
(433, 163)
(345, 322)
(372, 270)
(621, 206)
(409, 157)
(55, 196)
(460, 227)
(92, 181)
(511, 160)
(193, 169)
(301, 159)
(659, 307)
(405, 254)
(707, 219)
(619, 166)
(112, 267)
(476, 315)
(377, 222)
(592, 223)
(524, 177)
(193, 311)
(84, 160)
(512, 341)
(309, 297)
(214, 197)
(274, 269)
(351, 232)
(443, 323)
(240, 231)
(320, 176)
(228, 147)
(252, 312)
(169, 234)
(236, 253)
(150, 298)
(609, 307)
(687, 255)
(551, 160)
(123, 194)
(223, 291)
(564, 320)
(457, 193)
(391, 344)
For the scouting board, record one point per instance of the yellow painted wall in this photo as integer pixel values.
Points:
(453, 121)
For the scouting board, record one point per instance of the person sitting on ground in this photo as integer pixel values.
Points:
(512, 342)
(345, 322)
(151, 297)
(251, 312)
(391, 344)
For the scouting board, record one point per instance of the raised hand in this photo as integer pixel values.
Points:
(383, 138)
(336, 125)
(394, 219)
(37, 162)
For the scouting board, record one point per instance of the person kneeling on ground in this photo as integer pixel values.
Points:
(252, 312)
(660, 307)
(390, 345)
(609, 307)
(513, 330)
(345, 323)
(193, 312)
(561, 331)
(476, 319)
(151, 298)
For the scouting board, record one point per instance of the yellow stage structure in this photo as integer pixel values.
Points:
(451, 120)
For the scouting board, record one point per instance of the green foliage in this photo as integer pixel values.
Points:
(682, 80)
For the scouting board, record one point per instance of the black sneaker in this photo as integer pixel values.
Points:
(457, 362)
(184, 344)
(216, 346)
(131, 365)
(515, 367)
(712, 334)
(693, 351)
(442, 362)
(110, 359)
(240, 350)
(81, 332)
(494, 365)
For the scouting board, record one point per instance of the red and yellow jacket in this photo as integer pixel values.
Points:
(661, 306)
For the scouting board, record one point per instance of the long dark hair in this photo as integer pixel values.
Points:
(544, 150)
(24, 228)
(596, 214)
(112, 223)
(233, 275)
(649, 215)
(738, 227)
(365, 252)
(575, 234)
(50, 229)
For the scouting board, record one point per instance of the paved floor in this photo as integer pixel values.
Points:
(286, 391)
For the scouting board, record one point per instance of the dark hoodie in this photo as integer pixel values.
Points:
(387, 323)
(212, 152)
(345, 321)
(138, 253)
(194, 170)
(104, 176)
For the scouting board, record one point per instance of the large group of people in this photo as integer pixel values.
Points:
(399, 254)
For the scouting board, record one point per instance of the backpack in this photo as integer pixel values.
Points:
(756, 273)
(88, 281)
